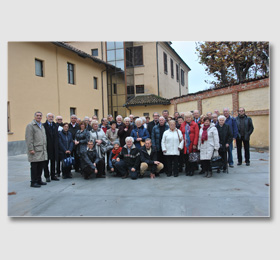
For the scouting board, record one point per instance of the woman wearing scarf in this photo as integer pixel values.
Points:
(208, 143)
(190, 132)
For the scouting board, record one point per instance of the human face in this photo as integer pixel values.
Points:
(156, 117)
(226, 113)
(94, 118)
(105, 121)
(172, 125)
(113, 126)
(241, 111)
(206, 123)
(95, 126)
(221, 121)
(148, 144)
(119, 120)
(59, 120)
(180, 121)
(196, 114)
(86, 121)
(165, 114)
(73, 119)
(188, 119)
(129, 143)
(38, 117)
(217, 112)
(82, 127)
(209, 115)
(131, 118)
(138, 124)
(161, 121)
(215, 117)
(65, 128)
(116, 146)
(176, 115)
(90, 145)
(127, 122)
(50, 118)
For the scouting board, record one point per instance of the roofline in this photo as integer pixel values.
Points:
(147, 104)
(169, 46)
(83, 54)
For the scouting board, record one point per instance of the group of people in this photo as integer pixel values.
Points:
(132, 146)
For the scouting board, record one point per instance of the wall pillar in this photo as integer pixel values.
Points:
(199, 105)
(235, 103)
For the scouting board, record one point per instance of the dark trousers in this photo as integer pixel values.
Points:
(124, 169)
(190, 166)
(36, 169)
(182, 159)
(172, 164)
(58, 167)
(206, 165)
(223, 154)
(52, 169)
(162, 158)
(77, 160)
(100, 166)
(246, 149)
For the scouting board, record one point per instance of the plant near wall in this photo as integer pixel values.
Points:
(233, 62)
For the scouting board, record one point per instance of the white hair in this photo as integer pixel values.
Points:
(94, 122)
(58, 117)
(86, 117)
(138, 120)
(221, 116)
(129, 138)
(143, 119)
(126, 118)
(119, 116)
(161, 117)
(73, 115)
(48, 114)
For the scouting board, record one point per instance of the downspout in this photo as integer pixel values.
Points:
(157, 68)
(57, 83)
(102, 92)
(179, 72)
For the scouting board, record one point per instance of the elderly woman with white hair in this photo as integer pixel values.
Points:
(225, 139)
(125, 131)
(128, 160)
(140, 134)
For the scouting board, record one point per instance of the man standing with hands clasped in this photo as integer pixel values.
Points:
(245, 129)
(36, 142)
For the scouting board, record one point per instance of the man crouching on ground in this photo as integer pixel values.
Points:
(128, 160)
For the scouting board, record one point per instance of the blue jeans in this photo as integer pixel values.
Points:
(230, 159)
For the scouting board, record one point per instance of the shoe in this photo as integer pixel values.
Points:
(64, 177)
(141, 176)
(187, 174)
(239, 163)
(206, 174)
(247, 164)
(42, 183)
(69, 176)
(48, 180)
(231, 166)
(209, 175)
(176, 175)
(224, 170)
(191, 173)
(35, 185)
(101, 176)
(201, 172)
(168, 175)
(55, 179)
(218, 171)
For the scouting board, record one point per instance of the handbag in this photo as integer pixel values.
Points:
(216, 160)
(142, 143)
(67, 162)
(194, 157)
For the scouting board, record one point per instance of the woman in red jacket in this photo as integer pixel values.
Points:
(190, 131)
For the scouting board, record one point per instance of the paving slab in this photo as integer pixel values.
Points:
(243, 192)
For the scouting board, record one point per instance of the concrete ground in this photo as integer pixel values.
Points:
(244, 192)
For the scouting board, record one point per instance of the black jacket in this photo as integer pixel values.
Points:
(225, 136)
(149, 159)
(89, 157)
(132, 159)
(65, 142)
(120, 125)
(123, 134)
(52, 140)
(150, 126)
(83, 138)
(73, 130)
(249, 128)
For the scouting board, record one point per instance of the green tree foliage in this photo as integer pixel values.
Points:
(231, 62)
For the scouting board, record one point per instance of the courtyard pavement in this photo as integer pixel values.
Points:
(243, 192)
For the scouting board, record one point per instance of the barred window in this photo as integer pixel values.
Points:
(165, 62)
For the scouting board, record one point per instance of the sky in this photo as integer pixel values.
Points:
(197, 75)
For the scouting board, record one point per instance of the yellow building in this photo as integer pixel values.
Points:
(52, 77)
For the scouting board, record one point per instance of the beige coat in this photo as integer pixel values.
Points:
(208, 147)
(36, 140)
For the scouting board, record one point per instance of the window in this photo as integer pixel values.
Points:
(139, 89)
(96, 112)
(182, 77)
(130, 90)
(94, 52)
(177, 72)
(38, 68)
(72, 111)
(115, 88)
(8, 116)
(70, 72)
(146, 114)
(172, 69)
(134, 56)
(94, 83)
(165, 62)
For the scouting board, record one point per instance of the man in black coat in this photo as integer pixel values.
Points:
(73, 128)
(52, 148)
(245, 129)
(153, 123)
(91, 163)
(148, 157)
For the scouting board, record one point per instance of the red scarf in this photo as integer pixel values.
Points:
(116, 152)
(204, 136)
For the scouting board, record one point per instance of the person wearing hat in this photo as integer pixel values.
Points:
(113, 156)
